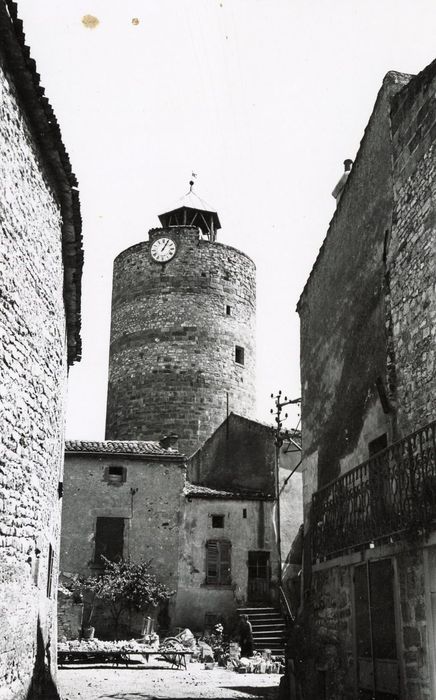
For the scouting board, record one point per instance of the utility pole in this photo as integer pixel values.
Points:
(279, 438)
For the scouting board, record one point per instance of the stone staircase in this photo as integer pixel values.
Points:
(268, 626)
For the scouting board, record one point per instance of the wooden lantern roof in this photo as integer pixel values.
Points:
(191, 210)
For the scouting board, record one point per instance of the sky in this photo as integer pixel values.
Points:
(262, 99)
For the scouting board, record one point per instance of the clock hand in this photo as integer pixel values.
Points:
(163, 248)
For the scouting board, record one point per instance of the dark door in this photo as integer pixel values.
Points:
(258, 577)
(109, 540)
(377, 663)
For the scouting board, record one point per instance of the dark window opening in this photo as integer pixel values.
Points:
(244, 512)
(380, 443)
(109, 540)
(50, 570)
(204, 274)
(217, 520)
(218, 563)
(239, 355)
(228, 310)
(115, 475)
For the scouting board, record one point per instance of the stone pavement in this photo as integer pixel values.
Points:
(144, 682)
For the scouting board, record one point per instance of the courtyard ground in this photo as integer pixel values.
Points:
(144, 682)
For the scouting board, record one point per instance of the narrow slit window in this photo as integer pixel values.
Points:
(228, 310)
(50, 570)
(239, 355)
(244, 512)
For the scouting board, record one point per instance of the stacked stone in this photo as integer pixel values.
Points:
(412, 257)
(33, 370)
(174, 333)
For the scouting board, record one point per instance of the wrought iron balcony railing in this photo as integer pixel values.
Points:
(391, 493)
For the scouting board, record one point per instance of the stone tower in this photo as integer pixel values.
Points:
(182, 346)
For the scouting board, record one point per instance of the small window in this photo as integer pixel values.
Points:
(50, 570)
(218, 563)
(380, 443)
(244, 512)
(239, 355)
(217, 520)
(228, 310)
(115, 475)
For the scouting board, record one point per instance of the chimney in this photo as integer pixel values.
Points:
(168, 441)
(337, 192)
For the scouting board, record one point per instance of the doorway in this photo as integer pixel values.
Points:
(376, 640)
(258, 577)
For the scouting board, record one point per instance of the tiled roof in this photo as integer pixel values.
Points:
(148, 448)
(197, 491)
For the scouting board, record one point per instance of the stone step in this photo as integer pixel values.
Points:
(268, 627)
(250, 611)
(265, 616)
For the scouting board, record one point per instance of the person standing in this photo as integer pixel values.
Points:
(246, 637)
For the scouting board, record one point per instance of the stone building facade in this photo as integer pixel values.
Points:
(182, 352)
(132, 500)
(40, 273)
(368, 382)
(123, 499)
(228, 556)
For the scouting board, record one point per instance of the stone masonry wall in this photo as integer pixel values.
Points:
(70, 616)
(413, 633)
(331, 639)
(32, 391)
(172, 358)
(412, 250)
(333, 633)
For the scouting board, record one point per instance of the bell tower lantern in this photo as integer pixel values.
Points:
(191, 210)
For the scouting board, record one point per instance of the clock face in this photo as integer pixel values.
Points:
(163, 249)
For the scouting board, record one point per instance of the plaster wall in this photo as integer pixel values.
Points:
(239, 455)
(255, 532)
(33, 371)
(150, 501)
(342, 311)
(291, 508)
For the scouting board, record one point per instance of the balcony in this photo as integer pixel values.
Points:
(392, 494)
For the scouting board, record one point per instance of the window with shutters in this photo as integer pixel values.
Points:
(218, 563)
(109, 540)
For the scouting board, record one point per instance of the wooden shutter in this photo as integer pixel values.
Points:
(212, 562)
(218, 562)
(224, 571)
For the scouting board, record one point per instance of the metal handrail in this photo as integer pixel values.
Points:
(287, 606)
(391, 492)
